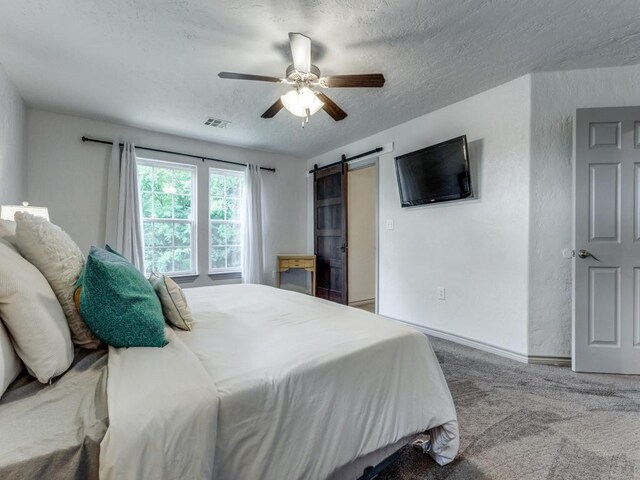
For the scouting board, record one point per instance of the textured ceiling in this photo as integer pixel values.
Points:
(154, 64)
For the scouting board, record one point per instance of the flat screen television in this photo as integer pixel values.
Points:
(438, 173)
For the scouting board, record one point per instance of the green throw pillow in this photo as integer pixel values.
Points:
(118, 303)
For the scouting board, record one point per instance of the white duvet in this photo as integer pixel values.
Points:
(281, 386)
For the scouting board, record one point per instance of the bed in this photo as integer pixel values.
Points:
(268, 384)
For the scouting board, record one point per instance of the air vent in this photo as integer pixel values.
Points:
(216, 122)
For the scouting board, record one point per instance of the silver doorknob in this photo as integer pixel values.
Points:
(582, 253)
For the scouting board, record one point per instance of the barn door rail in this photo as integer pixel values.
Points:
(344, 159)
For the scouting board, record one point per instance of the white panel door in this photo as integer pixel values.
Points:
(606, 268)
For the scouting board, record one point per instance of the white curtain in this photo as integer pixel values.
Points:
(124, 212)
(252, 225)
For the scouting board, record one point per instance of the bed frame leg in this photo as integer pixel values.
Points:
(372, 472)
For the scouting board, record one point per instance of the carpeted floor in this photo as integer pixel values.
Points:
(367, 307)
(521, 421)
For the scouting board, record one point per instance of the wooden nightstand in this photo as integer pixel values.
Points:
(306, 262)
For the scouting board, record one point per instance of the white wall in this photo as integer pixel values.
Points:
(494, 225)
(555, 96)
(13, 143)
(69, 177)
(477, 249)
(361, 216)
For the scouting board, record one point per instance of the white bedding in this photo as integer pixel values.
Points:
(303, 386)
(163, 411)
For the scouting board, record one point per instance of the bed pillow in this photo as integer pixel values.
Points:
(33, 316)
(8, 231)
(60, 260)
(118, 303)
(10, 364)
(174, 305)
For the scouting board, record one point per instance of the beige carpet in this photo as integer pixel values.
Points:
(534, 422)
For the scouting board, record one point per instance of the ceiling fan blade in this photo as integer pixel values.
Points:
(247, 76)
(331, 107)
(300, 52)
(371, 80)
(273, 109)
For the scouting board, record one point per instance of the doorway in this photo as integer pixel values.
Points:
(361, 234)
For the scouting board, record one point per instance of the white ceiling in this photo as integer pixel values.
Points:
(154, 64)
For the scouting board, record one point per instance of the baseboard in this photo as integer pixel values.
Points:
(362, 302)
(487, 347)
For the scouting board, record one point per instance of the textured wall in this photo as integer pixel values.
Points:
(70, 178)
(497, 125)
(13, 146)
(477, 249)
(555, 96)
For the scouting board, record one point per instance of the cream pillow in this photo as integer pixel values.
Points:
(174, 305)
(33, 316)
(60, 260)
(10, 364)
(8, 231)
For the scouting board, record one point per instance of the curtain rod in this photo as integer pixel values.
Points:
(345, 159)
(203, 158)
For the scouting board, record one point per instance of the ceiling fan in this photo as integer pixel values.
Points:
(304, 99)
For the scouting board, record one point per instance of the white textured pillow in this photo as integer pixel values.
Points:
(10, 364)
(8, 231)
(174, 304)
(60, 260)
(33, 316)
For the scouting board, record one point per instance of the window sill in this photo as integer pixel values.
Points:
(190, 278)
(184, 278)
(225, 276)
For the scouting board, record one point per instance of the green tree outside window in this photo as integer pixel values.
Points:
(225, 194)
(167, 196)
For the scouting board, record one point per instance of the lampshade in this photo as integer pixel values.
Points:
(295, 102)
(7, 212)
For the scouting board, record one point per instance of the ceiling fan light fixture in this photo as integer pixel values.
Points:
(291, 103)
(316, 105)
(306, 97)
(300, 104)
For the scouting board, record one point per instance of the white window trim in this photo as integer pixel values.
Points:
(221, 271)
(194, 211)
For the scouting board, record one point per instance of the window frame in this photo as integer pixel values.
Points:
(219, 272)
(143, 161)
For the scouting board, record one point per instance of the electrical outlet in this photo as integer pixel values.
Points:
(389, 223)
(273, 274)
(442, 294)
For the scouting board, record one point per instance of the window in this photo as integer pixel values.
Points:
(167, 192)
(225, 193)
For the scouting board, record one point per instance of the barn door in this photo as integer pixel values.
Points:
(606, 336)
(330, 235)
